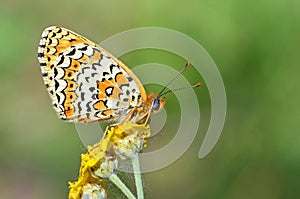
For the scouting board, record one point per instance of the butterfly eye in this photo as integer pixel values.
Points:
(156, 104)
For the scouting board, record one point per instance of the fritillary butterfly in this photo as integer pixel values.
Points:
(86, 83)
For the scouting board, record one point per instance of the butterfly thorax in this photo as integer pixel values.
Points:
(146, 108)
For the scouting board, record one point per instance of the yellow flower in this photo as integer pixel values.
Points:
(99, 163)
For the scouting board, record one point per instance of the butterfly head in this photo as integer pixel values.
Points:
(156, 102)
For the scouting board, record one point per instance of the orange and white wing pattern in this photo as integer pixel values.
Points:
(84, 81)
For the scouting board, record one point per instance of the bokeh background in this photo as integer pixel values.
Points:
(255, 45)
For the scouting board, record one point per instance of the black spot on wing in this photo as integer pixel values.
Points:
(96, 49)
(55, 72)
(62, 58)
(105, 73)
(49, 41)
(79, 107)
(95, 65)
(85, 68)
(88, 106)
(102, 113)
(80, 86)
(104, 102)
(67, 34)
(129, 79)
(56, 84)
(92, 89)
(111, 67)
(83, 48)
(94, 97)
(82, 96)
(72, 52)
(40, 54)
(58, 98)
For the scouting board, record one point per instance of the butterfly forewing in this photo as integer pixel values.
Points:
(84, 81)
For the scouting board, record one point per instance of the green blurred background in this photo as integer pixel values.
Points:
(255, 45)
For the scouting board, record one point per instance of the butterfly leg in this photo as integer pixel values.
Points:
(148, 117)
(129, 116)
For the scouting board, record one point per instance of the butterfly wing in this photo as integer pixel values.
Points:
(84, 81)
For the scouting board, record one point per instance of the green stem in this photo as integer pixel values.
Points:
(118, 182)
(137, 176)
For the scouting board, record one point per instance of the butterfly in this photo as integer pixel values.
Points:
(87, 83)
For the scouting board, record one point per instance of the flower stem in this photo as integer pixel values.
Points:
(118, 182)
(137, 176)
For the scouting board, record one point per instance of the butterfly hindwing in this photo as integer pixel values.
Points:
(84, 81)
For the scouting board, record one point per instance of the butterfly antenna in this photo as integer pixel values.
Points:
(182, 88)
(175, 77)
